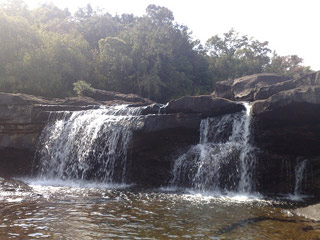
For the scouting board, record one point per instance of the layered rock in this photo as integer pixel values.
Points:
(286, 127)
(246, 88)
(288, 121)
(286, 110)
(115, 97)
(286, 113)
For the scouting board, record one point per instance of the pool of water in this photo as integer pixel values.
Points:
(85, 210)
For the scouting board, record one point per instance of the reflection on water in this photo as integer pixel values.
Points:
(84, 210)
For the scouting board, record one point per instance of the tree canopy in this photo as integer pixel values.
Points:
(48, 51)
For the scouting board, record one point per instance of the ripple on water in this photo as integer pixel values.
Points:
(82, 211)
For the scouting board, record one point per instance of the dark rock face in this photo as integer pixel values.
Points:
(286, 114)
(289, 121)
(156, 145)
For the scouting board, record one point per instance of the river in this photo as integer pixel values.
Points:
(89, 210)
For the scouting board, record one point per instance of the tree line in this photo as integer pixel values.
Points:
(48, 51)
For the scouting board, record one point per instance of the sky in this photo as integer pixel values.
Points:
(290, 26)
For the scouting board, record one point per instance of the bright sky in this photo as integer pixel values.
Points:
(290, 26)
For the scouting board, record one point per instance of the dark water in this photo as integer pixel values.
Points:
(97, 211)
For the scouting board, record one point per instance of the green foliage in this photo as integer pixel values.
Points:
(288, 65)
(235, 56)
(81, 86)
(47, 50)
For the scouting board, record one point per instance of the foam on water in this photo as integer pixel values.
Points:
(74, 183)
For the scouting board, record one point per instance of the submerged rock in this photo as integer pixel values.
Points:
(312, 212)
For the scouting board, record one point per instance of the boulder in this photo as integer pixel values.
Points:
(245, 88)
(300, 81)
(298, 96)
(206, 105)
(106, 96)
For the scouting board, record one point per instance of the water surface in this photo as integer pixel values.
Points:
(87, 210)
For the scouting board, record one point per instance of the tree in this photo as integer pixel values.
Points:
(114, 65)
(289, 65)
(45, 51)
(153, 57)
(235, 56)
(37, 60)
(94, 26)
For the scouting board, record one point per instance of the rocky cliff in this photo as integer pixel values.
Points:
(286, 127)
(286, 121)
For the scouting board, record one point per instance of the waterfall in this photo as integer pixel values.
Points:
(300, 171)
(89, 144)
(224, 159)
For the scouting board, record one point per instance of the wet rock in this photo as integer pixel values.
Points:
(155, 123)
(288, 122)
(10, 185)
(154, 108)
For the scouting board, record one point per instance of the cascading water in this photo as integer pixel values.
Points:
(89, 144)
(300, 170)
(223, 160)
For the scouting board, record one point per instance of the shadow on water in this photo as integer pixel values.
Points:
(249, 221)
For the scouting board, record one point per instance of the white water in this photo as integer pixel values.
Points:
(76, 145)
(223, 160)
(299, 174)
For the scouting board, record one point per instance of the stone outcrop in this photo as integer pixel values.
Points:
(286, 112)
(106, 96)
(288, 121)
(246, 88)
(207, 106)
